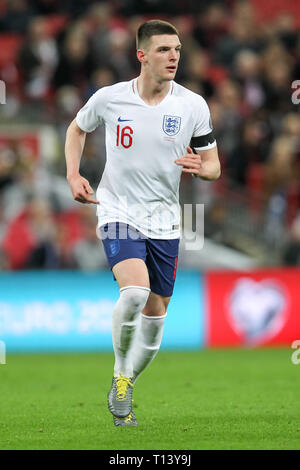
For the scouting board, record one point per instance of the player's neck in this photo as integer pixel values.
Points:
(151, 91)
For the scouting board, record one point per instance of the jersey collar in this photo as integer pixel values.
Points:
(136, 93)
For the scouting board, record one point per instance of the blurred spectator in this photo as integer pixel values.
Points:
(100, 78)
(229, 98)
(133, 7)
(88, 252)
(77, 8)
(22, 232)
(251, 148)
(52, 252)
(211, 26)
(25, 183)
(296, 67)
(8, 158)
(68, 101)
(32, 180)
(37, 59)
(76, 62)
(33, 239)
(247, 70)
(42, 228)
(119, 44)
(100, 18)
(46, 7)
(277, 80)
(4, 262)
(92, 162)
(286, 30)
(291, 253)
(17, 16)
(281, 166)
(197, 70)
(243, 34)
(291, 128)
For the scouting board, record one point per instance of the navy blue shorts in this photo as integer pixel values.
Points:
(121, 241)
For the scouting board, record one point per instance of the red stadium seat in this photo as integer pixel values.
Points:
(217, 74)
(55, 23)
(18, 242)
(9, 47)
(71, 221)
(272, 8)
(293, 198)
(255, 178)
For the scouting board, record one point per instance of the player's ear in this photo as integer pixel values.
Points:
(140, 55)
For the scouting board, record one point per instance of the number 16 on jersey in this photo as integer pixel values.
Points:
(124, 136)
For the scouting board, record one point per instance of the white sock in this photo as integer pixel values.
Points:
(147, 342)
(132, 300)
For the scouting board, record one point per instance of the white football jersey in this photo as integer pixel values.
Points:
(140, 182)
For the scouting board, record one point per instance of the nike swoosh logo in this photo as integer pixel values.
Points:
(124, 120)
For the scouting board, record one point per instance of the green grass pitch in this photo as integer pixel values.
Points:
(210, 399)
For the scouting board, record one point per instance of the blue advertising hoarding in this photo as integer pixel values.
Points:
(72, 311)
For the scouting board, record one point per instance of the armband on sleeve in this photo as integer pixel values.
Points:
(202, 140)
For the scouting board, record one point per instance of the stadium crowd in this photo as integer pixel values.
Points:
(54, 55)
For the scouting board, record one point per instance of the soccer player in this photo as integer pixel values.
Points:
(155, 130)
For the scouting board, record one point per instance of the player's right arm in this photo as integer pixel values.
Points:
(80, 187)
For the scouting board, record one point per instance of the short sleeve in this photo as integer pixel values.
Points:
(91, 115)
(203, 136)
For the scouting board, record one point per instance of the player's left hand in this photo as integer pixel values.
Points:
(191, 162)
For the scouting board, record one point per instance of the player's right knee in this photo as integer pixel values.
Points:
(134, 299)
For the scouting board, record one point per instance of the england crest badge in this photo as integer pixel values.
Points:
(114, 248)
(171, 125)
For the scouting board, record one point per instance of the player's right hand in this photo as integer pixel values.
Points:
(81, 190)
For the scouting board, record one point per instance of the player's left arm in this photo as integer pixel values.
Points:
(204, 164)
(201, 159)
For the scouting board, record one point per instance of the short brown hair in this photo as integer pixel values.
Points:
(153, 28)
